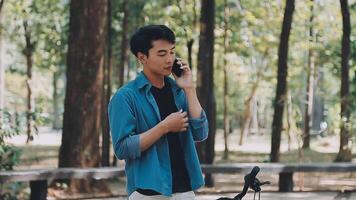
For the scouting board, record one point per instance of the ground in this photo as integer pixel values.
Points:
(43, 153)
(276, 196)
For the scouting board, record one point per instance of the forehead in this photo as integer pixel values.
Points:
(162, 45)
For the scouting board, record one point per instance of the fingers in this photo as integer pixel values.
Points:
(184, 64)
(183, 129)
(184, 114)
(180, 120)
(181, 61)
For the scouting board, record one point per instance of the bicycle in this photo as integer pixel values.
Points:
(250, 182)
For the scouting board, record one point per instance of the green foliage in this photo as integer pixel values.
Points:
(9, 157)
(48, 24)
(13, 191)
(9, 154)
(254, 27)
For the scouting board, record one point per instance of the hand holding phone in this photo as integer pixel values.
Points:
(176, 68)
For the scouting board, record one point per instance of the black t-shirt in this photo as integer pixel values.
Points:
(180, 179)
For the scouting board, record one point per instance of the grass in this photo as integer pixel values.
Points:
(38, 157)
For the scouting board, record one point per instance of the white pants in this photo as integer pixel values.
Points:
(177, 196)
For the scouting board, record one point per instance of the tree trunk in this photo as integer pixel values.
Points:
(251, 100)
(124, 43)
(57, 123)
(82, 107)
(254, 120)
(190, 41)
(190, 50)
(344, 154)
(205, 82)
(308, 115)
(2, 71)
(124, 52)
(28, 52)
(105, 146)
(281, 91)
(289, 120)
(248, 113)
(226, 91)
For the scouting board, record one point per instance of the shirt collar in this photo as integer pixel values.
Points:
(142, 82)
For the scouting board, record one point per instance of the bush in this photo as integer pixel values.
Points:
(9, 154)
(9, 157)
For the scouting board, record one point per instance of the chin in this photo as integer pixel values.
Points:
(166, 73)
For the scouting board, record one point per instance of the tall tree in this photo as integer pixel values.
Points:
(205, 82)
(308, 114)
(82, 109)
(57, 123)
(124, 42)
(124, 56)
(28, 53)
(2, 70)
(281, 91)
(344, 154)
(188, 37)
(105, 145)
(226, 91)
(250, 103)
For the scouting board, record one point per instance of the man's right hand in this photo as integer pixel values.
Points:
(176, 122)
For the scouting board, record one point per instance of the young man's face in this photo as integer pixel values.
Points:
(160, 58)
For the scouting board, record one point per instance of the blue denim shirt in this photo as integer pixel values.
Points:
(132, 111)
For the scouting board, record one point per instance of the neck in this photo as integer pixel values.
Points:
(155, 80)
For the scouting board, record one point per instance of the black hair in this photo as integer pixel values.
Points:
(141, 40)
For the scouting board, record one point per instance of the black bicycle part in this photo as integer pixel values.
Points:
(250, 182)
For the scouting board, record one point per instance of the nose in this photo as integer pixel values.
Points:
(170, 58)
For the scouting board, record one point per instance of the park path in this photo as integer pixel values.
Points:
(274, 196)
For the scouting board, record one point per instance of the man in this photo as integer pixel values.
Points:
(155, 121)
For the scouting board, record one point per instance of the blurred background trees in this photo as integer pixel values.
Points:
(235, 48)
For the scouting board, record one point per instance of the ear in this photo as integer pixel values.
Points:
(142, 58)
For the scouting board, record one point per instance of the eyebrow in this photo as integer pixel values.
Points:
(164, 51)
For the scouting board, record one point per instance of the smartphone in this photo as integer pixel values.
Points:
(176, 68)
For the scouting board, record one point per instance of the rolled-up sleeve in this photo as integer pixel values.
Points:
(126, 142)
(199, 127)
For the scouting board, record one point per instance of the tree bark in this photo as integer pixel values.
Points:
(251, 100)
(190, 41)
(28, 52)
(248, 112)
(205, 82)
(2, 72)
(82, 107)
(308, 114)
(57, 123)
(226, 91)
(105, 145)
(289, 120)
(124, 53)
(281, 90)
(344, 154)
(124, 43)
